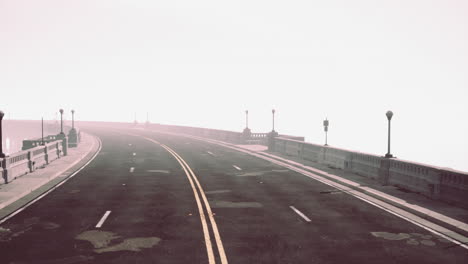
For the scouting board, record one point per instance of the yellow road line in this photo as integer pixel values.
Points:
(206, 233)
(190, 174)
(219, 243)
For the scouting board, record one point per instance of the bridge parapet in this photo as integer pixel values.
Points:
(26, 161)
(435, 182)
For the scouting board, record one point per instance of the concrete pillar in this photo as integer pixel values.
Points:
(271, 140)
(46, 151)
(5, 166)
(65, 146)
(246, 134)
(31, 162)
(384, 171)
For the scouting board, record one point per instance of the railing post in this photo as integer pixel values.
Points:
(5, 165)
(384, 171)
(271, 140)
(31, 161)
(46, 154)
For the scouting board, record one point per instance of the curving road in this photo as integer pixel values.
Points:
(158, 198)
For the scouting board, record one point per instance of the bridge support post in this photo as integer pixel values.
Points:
(384, 171)
(271, 140)
(246, 134)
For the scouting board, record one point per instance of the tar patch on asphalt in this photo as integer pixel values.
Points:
(104, 241)
(228, 204)
(414, 239)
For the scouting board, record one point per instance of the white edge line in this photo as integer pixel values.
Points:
(103, 219)
(300, 213)
(53, 188)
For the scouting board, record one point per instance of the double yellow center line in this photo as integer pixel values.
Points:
(200, 196)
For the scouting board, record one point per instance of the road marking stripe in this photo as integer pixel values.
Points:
(209, 246)
(104, 217)
(300, 213)
(206, 233)
(237, 167)
(132, 169)
(214, 226)
(211, 153)
(134, 154)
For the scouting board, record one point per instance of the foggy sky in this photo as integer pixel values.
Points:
(203, 63)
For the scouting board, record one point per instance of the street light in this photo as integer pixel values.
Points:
(73, 119)
(42, 131)
(325, 126)
(389, 115)
(61, 121)
(2, 155)
(246, 119)
(273, 112)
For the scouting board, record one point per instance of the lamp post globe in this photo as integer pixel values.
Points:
(389, 115)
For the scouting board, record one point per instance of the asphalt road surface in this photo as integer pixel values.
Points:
(156, 198)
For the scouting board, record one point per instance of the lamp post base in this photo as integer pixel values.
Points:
(388, 155)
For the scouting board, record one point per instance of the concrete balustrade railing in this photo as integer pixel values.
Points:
(31, 143)
(438, 183)
(26, 161)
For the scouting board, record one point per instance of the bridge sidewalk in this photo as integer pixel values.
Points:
(447, 215)
(26, 188)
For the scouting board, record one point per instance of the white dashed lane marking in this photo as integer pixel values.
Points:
(103, 219)
(237, 168)
(300, 213)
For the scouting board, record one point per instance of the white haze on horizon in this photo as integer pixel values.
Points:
(203, 63)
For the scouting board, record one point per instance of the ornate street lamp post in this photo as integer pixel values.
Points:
(61, 121)
(325, 126)
(273, 112)
(246, 119)
(389, 115)
(42, 131)
(2, 155)
(73, 119)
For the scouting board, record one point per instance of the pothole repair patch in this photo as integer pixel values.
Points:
(101, 241)
(414, 239)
